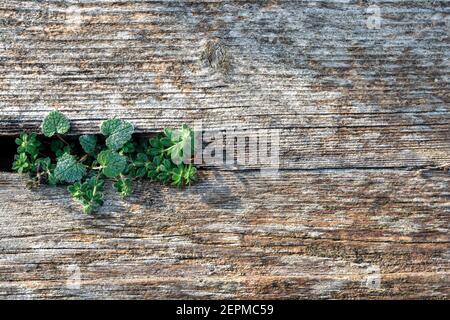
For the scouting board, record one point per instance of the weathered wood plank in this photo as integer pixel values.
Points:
(264, 63)
(362, 147)
(315, 234)
(343, 95)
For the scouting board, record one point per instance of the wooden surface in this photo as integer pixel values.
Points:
(364, 123)
(235, 235)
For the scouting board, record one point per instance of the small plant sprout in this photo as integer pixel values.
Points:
(86, 164)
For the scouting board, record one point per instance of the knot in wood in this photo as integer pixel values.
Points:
(216, 56)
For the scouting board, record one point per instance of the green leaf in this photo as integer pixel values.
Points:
(156, 147)
(56, 146)
(52, 179)
(47, 168)
(124, 186)
(44, 163)
(177, 176)
(113, 164)
(179, 141)
(89, 193)
(75, 190)
(28, 143)
(88, 143)
(128, 148)
(68, 169)
(184, 175)
(164, 171)
(55, 123)
(141, 160)
(59, 148)
(118, 133)
(21, 163)
(137, 169)
(190, 174)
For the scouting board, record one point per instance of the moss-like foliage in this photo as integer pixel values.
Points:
(88, 162)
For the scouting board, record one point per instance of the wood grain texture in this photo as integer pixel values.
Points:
(235, 235)
(359, 110)
(267, 63)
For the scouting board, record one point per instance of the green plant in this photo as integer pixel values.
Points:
(86, 164)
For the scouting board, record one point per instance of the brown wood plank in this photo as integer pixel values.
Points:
(314, 234)
(344, 95)
(359, 110)
(264, 63)
(361, 147)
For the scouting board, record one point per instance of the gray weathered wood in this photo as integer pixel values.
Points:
(267, 63)
(360, 112)
(311, 68)
(300, 235)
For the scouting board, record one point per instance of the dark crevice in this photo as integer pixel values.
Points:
(9, 149)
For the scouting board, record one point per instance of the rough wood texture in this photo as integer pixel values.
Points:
(360, 112)
(235, 235)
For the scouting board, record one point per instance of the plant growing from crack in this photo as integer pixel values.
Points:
(116, 155)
